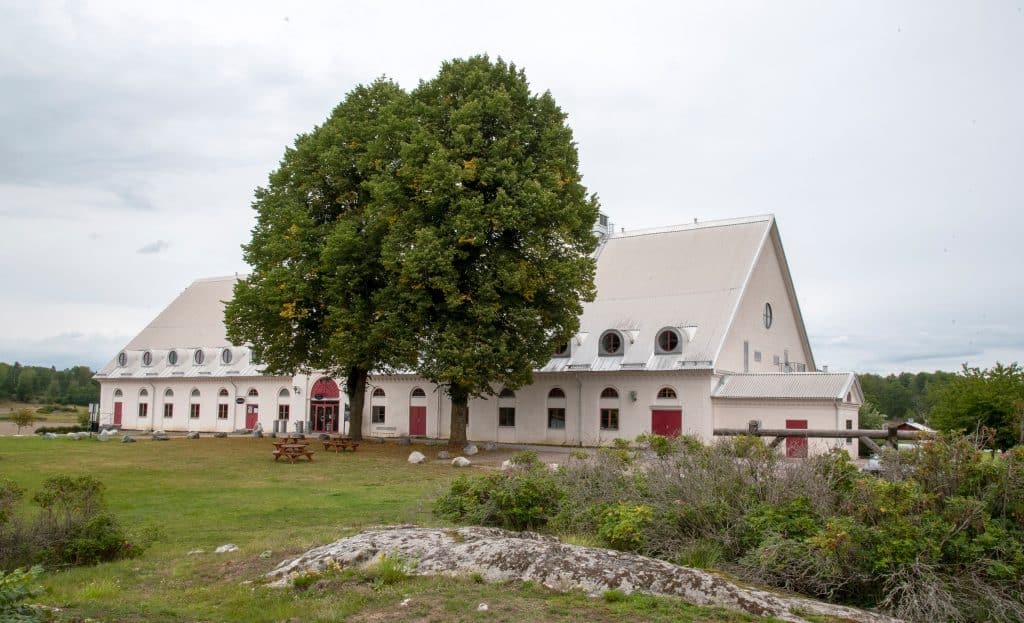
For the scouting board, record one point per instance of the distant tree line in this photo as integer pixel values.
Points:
(48, 385)
(989, 401)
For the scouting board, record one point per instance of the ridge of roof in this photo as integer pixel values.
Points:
(234, 277)
(668, 229)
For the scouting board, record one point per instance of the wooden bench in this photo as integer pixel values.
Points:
(339, 444)
(292, 451)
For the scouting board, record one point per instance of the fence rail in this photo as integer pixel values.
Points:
(891, 435)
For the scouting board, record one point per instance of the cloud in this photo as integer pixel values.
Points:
(153, 247)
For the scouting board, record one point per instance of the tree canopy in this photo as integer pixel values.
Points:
(444, 231)
(992, 398)
(39, 384)
(491, 241)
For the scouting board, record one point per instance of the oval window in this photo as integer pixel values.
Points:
(147, 358)
(562, 350)
(611, 343)
(172, 357)
(199, 358)
(122, 359)
(225, 356)
(668, 341)
(768, 316)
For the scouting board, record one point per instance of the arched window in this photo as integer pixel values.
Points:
(225, 356)
(172, 358)
(118, 393)
(668, 342)
(253, 393)
(284, 409)
(609, 392)
(198, 357)
(556, 409)
(507, 408)
(169, 393)
(609, 409)
(284, 393)
(378, 393)
(122, 359)
(143, 405)
(611, 343)
(143, 392)
(418, 393)
(147, 358)
(223, 392)
(667, 393)
(195, 393)
(507, 393)
(223, 406)
(378, 408)
(193, 407)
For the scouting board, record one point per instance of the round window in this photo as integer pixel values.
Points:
(668, 341)
(147, 358)
(611, 343)
(562, 350)
(122, 359)
(198, 358)
(172, 357)
(767, 315)
(225, 355)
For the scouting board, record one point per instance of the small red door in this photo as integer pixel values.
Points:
(252, 415)
(796, 447)
(118, 410)
(666, 422)
(418, 421)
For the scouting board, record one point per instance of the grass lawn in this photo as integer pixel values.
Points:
(198, 494)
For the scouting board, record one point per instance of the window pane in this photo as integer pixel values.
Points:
(222, 412)
(556, 417)
(609, 419)
(168, 410)
(194, 411)
(377, 414)
(506, 416)
(283, 412)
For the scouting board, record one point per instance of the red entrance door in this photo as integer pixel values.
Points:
(666, 422)
(325, 417)
(796, 447)
(418, 421)
(118, 410)
(252, 415)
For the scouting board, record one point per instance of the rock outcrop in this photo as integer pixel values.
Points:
(500, 555)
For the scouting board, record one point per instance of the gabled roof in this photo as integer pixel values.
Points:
(648, 280)
(789, 386)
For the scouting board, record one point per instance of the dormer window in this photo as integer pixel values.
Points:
(122, 359)
(562, 350)
(147, 358)
(225, 356)
(611, 343)
(172, 358)
(199, 357)
(668, 342)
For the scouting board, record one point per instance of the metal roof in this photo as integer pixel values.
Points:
(792, 386)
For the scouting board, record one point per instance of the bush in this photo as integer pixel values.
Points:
(60, 430)
(519, 500)
(622, 525)
(14, 589)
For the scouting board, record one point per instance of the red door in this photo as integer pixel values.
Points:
(666, 422)
(418, 421)
(796, 447)
(252, 415)
(118, 410)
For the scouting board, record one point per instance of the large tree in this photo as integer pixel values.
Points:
(312, 300)
(992, 398)
(490, 244)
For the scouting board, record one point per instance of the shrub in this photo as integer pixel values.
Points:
(60, 430)
(390, 569)
(519, 500)
(525, 458)
(14, 589)
(614, 595)
(622, 525)
(700, 554)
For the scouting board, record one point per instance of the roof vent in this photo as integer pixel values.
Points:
(690, 331)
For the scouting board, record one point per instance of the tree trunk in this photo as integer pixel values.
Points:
(460, 414)
(355, 387)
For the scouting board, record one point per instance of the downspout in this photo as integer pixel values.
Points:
(234, 405)
(579, 410)
(152, 415)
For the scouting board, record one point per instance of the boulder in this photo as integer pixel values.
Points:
(404, 441)
(127, 439)
(192, 435)
(506, 465)
(226, 548)
(220, 435)
(505, 556)
(161, 433)
(417, 457)
(103, 437)
(490, 446)
(49, 436)
(443, 454)
(72, 436)
(323, 436)
(257, 431)
(553, 467)
(461, 461)
(470, 450)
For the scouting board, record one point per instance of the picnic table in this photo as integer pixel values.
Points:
(340, 443)
(292, 451)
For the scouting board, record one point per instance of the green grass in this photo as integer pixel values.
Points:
(198, 494)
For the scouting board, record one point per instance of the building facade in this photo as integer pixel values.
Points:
(694, 327)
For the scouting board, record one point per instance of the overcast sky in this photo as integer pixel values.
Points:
(887, 138)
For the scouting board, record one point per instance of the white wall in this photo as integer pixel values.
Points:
(825, 414)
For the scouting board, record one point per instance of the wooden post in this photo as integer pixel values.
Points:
(870, 443)
(892, 437)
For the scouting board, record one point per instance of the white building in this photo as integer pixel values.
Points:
(694, 327)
